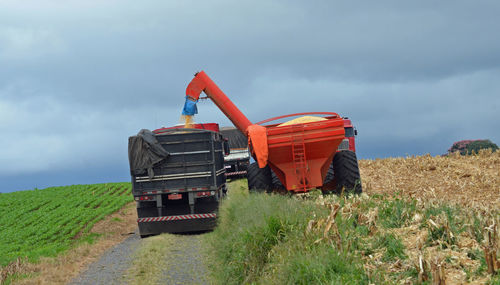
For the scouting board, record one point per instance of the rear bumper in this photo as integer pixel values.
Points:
(236, 167)
(236, 173)
(177, 224)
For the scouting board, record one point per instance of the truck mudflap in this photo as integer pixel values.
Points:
(177, 224)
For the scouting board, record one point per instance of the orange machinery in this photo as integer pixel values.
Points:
(300, 154)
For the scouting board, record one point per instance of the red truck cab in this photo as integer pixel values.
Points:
(349, 143)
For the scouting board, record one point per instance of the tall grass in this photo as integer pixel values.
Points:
(263, 239)
(313, 239)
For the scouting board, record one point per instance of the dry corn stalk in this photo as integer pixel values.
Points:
(310, 226)
(422, 268)
(369, 219)
(442, 222)
(330, 231)
(438, 274)
(331, 225)
(490, 249)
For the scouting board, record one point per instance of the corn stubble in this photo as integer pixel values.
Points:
(451, 236)
(469, 181)
(420, 220)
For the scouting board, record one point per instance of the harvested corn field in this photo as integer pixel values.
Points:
(408, 241)
(420, 220)
(472, 180)
(451, 229)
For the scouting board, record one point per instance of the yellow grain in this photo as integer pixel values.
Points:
(301, 120)
(187, 120)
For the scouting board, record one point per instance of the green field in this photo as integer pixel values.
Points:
(45, 222)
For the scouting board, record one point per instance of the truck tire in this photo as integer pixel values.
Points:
(259, 179)
(343, 174)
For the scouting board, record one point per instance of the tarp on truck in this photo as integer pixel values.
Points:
(235, 138)
(144, 151)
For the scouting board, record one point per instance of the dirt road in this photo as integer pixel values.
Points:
(185, 261)
(112, 266)
(165, 259)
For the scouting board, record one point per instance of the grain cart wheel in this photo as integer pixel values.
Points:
(329, 183)
(259, 179)
(277, 185)
(346, 172)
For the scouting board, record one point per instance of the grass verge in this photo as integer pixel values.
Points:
(315, 239)
(269, 239)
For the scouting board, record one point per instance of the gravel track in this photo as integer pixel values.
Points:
(111, 267)
(184, 262)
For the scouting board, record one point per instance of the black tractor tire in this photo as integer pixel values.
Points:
(344, 174)
(277, 185)
(259, 179)
(329, 175)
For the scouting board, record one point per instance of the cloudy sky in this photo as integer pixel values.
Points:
(78, 77)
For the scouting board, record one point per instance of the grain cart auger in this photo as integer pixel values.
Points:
(297, 156)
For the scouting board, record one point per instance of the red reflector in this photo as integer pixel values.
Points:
(174, 196)
(207, 193)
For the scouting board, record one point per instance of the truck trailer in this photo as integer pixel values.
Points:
(178, 179)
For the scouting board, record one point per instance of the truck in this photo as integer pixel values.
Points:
(349, 142)
(177, 178)
(238, 159)
(302, 156)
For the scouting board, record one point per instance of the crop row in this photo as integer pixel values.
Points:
(45, 222)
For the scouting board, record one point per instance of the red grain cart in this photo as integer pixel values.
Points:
(299, 156)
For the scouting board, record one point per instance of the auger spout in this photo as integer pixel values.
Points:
(201, 82)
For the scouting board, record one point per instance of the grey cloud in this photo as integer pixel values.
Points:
(413, 76)
(383, 41)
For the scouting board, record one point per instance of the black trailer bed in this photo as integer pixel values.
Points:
(181, 193)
